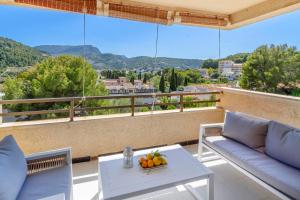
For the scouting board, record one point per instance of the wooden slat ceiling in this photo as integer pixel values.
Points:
(224, 14)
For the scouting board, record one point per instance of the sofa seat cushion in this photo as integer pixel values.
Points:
(283, 143)
(246, 129)
(13, 168)
(46, 184)
(280, 176)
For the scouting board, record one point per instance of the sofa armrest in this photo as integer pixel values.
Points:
(47, 160)
(208, 130)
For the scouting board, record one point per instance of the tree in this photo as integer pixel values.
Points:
(155, 81)
(186, 81)
(176, 80)
(210, 71)
(62, 76)
(145, 79)
(238, 58)
(132, 80)
(210, 63)
(173, 81)
(266, 67)
(162, 86)
(140, 76)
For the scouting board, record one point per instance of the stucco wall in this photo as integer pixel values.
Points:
(97, 135)
(282, 108)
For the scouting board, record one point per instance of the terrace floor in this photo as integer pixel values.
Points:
(230, 184)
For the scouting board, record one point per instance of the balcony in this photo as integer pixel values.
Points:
(91, 136)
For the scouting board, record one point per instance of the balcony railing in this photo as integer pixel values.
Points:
(72, 101)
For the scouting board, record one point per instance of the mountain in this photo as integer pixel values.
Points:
(15, 54)
(108, 60)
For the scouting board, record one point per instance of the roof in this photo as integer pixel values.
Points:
(226, 14)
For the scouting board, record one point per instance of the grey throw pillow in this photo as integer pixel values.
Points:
(13, 168)
(246, 129)
(283, 143)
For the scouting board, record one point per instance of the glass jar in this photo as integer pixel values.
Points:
(128, 157)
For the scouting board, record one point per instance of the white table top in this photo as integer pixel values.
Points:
(117, 182)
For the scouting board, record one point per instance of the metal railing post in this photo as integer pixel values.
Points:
(71, 114)
(132, 106)
(181, 102)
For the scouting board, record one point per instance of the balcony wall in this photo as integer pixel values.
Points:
(282, 108)
(92, 136)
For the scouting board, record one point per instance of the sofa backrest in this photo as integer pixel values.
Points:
(246, 129)
(13, 168)
(283, 143)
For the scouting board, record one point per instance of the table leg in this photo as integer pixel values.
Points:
(210, 187)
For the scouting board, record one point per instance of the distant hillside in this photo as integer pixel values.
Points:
(15, 54)
(107, 60)
(238, 58)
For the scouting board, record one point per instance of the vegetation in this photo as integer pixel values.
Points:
(172, 80)
(210, 63)
(237, 58)
(14, 54)
(61, 76)
(113, 74)
(274, 69)
(162, 86)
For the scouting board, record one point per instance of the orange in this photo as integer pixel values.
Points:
(150, 163)
(141, 160)
(144, 164)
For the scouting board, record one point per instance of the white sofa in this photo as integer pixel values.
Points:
(267, 151)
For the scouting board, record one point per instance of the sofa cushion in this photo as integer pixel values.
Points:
(46, 184)
(283, 143)
(13, 168)
(280, 176)
(246, 129)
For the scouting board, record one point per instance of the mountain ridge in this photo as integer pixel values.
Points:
(108, 60)
(17, 54)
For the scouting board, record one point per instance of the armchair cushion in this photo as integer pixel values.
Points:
(245, 129)
(52, 183)
(282, 143)
(13, 168)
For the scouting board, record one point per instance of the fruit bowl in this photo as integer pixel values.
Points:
(153, 160)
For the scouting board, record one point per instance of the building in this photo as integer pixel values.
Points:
(204, 73)
(230, 69)
(123, 86)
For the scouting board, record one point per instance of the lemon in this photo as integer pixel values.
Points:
(163, 161)
(149, 156)
(156, 161)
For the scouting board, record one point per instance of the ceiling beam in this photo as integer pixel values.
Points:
(258, 12)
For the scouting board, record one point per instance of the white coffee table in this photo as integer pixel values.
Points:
(116, 182)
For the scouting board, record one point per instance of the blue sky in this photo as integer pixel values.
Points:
(35, 27)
